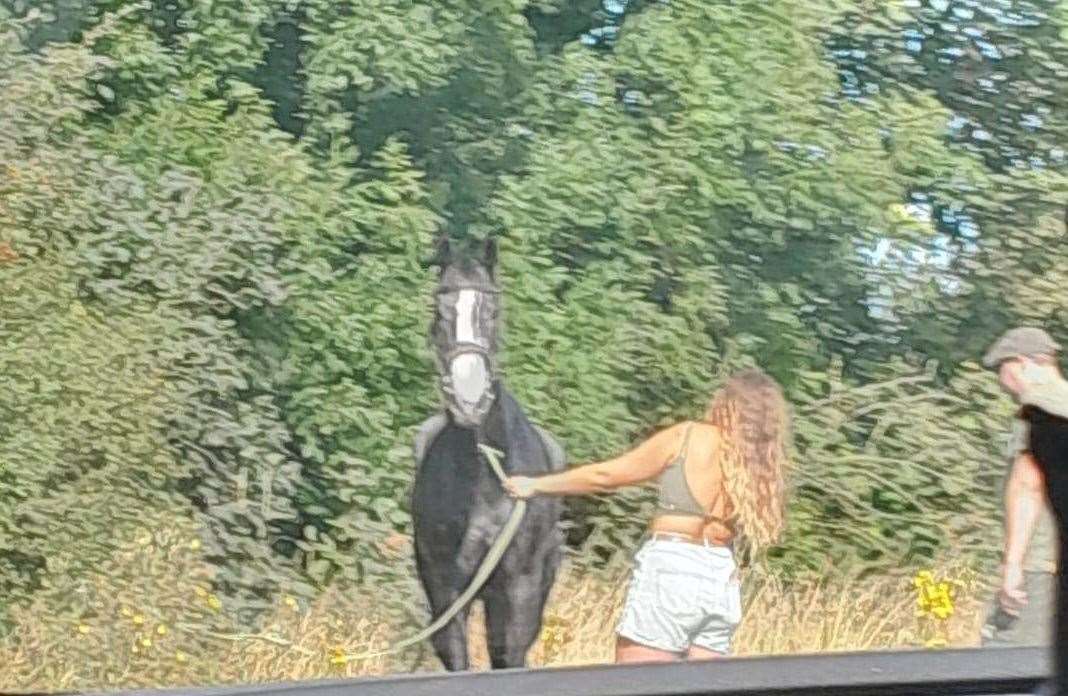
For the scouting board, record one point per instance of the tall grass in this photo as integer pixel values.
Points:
(155, 633)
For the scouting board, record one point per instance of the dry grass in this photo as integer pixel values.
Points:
(153, 631)
(807, 617)
(122, 646)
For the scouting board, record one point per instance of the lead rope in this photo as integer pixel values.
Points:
(489, 564)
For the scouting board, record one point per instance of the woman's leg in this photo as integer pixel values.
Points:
(629, 651)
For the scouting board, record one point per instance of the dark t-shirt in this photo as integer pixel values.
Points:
(1049, 446)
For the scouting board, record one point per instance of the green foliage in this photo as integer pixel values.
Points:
(84, 398)
(213, 212)
(357, 376)
(169, 216)
(894, 471)
(1005, 115)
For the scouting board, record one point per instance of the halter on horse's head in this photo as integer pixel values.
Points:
(463, 335)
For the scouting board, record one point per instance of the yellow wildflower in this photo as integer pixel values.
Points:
(180, 656)
(337, 656)
(556, 633)
(138, 619)
(200, 592)
(933, 598)
(214, 602)
(935, 604)
(146, 642)
(290, 602)
(942, 612)
(161, 629)
(83, 629)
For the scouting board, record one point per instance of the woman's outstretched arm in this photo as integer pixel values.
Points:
(640, 464)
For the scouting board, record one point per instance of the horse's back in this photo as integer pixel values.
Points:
(425, 435)
(554, 450)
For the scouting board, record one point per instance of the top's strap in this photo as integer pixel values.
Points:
(685, 443)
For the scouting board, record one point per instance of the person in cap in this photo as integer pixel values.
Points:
(1022, 611)
(1027, 369)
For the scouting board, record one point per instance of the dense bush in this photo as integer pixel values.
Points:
(213, 216)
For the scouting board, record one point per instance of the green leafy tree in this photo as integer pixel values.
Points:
(170, 213)
(357, 377)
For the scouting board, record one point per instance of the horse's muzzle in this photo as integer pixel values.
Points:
(468, 388)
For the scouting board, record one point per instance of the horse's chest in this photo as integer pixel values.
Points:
(459, 491)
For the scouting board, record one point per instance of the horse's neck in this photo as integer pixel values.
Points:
(502, 421)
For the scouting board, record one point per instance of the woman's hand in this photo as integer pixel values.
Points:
(520, 486)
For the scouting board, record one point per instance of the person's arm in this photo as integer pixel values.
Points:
(1025, 496)
(642, 463)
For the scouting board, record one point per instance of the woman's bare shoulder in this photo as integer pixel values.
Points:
(705, 435)
(666, 439)
(673, 436)
(698, 427)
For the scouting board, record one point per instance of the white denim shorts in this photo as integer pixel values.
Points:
(682, 595)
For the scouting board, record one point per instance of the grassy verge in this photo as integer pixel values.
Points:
(152, 628)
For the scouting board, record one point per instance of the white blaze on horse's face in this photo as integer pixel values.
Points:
(468, 372)
(466, 303)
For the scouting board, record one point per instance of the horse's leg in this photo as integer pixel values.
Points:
(516, 595)
(438, 576)
(513, 619)
(450, 643)
(515, 603)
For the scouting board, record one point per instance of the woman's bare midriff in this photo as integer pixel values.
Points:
(715, 532)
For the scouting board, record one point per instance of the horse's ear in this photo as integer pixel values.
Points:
(489, 255)
(442, 253)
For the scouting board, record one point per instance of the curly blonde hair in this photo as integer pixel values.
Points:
(753, 420)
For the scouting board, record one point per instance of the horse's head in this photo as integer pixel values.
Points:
(464, 333)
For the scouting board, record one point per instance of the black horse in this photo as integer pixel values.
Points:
(458, 505)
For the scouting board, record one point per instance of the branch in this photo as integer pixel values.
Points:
(910, 379)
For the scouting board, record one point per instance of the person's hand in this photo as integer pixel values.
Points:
(1011, 595)
(520, 486)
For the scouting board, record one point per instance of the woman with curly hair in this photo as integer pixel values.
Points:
(720, 485)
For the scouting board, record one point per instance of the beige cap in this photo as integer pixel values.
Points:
(1023, 340)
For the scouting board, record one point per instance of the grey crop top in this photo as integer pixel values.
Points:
(675, 496)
